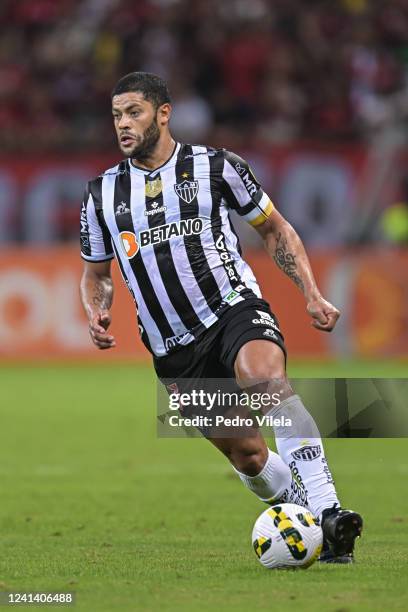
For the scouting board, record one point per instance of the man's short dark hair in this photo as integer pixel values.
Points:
(153, 88)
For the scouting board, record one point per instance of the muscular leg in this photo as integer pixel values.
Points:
(247, 455)
(261, 360)
(260, 469)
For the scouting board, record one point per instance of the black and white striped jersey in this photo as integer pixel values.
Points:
(172, 236)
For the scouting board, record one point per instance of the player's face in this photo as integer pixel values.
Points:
(136, 124)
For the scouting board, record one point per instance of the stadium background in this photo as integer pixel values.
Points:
(315, 96)
(323, 131)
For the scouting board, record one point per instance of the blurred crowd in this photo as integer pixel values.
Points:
(273, 71)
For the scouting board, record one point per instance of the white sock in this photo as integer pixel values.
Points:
(301, 448)
(275, 483)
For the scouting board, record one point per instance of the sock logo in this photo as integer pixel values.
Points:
(298, 492)
(326, 470)
(307, 453)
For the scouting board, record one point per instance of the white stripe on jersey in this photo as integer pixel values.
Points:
(108, 193)
(95, 236)
(237, 186)
(140, 223)
(179, 253)
(243, 269)
(204, 199)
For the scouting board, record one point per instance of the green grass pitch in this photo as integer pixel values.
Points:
(92, 501)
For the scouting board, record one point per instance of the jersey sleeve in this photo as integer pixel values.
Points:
(96, 242)
(242, 191)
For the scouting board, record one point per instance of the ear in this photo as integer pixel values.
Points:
(164, 114)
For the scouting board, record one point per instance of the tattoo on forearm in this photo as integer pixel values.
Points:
(287, 261)
(102, 295)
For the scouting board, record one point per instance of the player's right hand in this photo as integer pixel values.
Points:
(98, 326)
(324, 314)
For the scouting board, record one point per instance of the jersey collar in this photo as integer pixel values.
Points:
(171, 159)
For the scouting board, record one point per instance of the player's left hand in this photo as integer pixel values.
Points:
(323, 313)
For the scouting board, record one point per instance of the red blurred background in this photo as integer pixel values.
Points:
(313, 94)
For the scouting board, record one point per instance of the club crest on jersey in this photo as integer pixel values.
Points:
(186, 190)
(129, 244)
(153, 188)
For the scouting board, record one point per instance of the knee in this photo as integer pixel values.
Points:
(253, 372)
(259, 361)
(249, 461)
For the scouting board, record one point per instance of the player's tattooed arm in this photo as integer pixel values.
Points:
(101, 290)
(286, 260)
(96, 291)
(286, 249)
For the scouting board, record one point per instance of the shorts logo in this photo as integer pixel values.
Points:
(153, 188)
(307, 453)
(186, 190)
(269, 333)
(129, 244)
(265, 319)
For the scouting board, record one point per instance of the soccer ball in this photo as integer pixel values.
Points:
(287, 536)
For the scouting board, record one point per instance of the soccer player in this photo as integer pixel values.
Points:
(163, 213)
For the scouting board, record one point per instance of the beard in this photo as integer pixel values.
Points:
(143, 150)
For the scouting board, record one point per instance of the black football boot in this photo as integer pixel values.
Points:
(340, 530)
